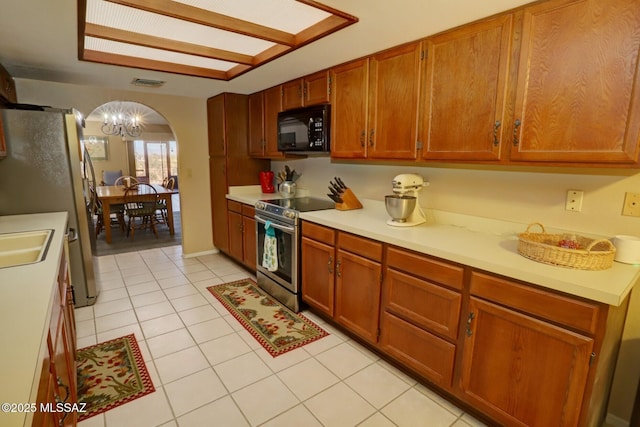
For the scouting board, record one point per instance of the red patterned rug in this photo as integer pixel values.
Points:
(273, 325)
(110, 374)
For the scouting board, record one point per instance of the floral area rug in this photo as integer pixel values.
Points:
(273, 325)
(110, 374)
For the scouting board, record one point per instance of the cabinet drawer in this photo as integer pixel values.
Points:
(427, 354)
(360, 246)
(248, 210)
(426, 267)
(425, 304)
(319, 233)
(234, 206)
(570, 312)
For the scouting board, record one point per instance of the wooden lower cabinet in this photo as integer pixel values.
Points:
(512, 353)
(58, 378)
(242, 233)
(522, 370)
(347, 289)
(419, 320)
(318, 279)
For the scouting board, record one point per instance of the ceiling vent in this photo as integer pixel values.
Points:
(147, 82)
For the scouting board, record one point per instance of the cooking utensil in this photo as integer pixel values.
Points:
(336, 187)
(340, 183)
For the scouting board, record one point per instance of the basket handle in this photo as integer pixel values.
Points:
(595, 242)
(535, 223)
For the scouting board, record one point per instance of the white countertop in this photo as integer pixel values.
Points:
(482, 243)
(25, 310)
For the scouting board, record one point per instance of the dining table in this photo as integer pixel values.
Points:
(114, 194)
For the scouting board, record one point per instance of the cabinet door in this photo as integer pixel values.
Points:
(578, 95)
(215, 124)
(521, 370)
(235, 236)
(358, 283)
(249, 242)
(464, 91)
(317, 88)
(349, 110)
(318, 261)
(219, 221)
(292, 95)
(272, 106)
(256, 125)
(393, 103)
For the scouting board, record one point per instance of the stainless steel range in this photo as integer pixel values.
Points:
(278, 245)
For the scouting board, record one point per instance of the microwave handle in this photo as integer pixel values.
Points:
(309, 127)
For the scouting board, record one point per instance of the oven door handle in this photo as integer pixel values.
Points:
(274, 225)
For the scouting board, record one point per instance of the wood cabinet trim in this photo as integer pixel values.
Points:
(318, 232)
(426, 267)
(362, 246)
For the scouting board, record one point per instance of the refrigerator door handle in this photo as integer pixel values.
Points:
(72, 234)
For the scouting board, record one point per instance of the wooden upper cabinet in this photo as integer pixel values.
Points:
(309, 90)
(256, 125)
(578, 95)
(7, 87)
(464, 88)
(272, 106)
(216, 126)
(3, 145)
(393, 103)
(317, 88)
(349, 98)
(292, 95)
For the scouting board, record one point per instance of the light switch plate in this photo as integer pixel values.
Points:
(574, 200)
(631, 206)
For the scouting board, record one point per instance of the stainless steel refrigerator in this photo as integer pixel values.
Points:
(43, 173)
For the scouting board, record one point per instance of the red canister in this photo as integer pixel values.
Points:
(266, 182)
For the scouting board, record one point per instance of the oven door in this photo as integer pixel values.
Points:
(286, 241)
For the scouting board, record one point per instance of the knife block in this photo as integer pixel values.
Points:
(349, 201)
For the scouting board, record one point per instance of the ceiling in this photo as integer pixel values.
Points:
(39, 40)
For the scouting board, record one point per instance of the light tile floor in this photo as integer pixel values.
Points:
(209, 371)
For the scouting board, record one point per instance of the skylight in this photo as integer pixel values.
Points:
(218, 40)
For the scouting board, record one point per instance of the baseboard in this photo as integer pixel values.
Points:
(613, 421)
(197, 254)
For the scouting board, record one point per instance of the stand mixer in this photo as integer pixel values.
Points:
(404, 206)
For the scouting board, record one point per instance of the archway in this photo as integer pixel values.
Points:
(133, 139)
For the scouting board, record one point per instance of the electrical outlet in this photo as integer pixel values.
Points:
(631, 205)
(574, 200)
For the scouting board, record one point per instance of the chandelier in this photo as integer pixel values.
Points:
(123, 124)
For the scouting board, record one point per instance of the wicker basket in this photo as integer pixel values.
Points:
(544, 247)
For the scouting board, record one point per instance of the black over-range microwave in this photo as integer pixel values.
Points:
(305, 129)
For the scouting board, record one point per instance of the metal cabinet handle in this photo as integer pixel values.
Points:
(469, 320)
(371, 137)
(338, 264)
(516, 126)
(362, 138)
(496, 126)
(330, 264)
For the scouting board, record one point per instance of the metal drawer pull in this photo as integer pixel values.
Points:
(516, 126)
(330, 264)
(496, 126)
(338, 272)
(469, 320)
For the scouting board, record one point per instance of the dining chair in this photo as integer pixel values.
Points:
(161, 208)
(123, 179)
(109, 177)
(140, 207)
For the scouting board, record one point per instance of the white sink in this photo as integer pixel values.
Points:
(22, 248)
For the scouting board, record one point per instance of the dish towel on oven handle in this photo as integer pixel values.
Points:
(270, 253)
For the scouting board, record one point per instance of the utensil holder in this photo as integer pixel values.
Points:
(349, 201)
